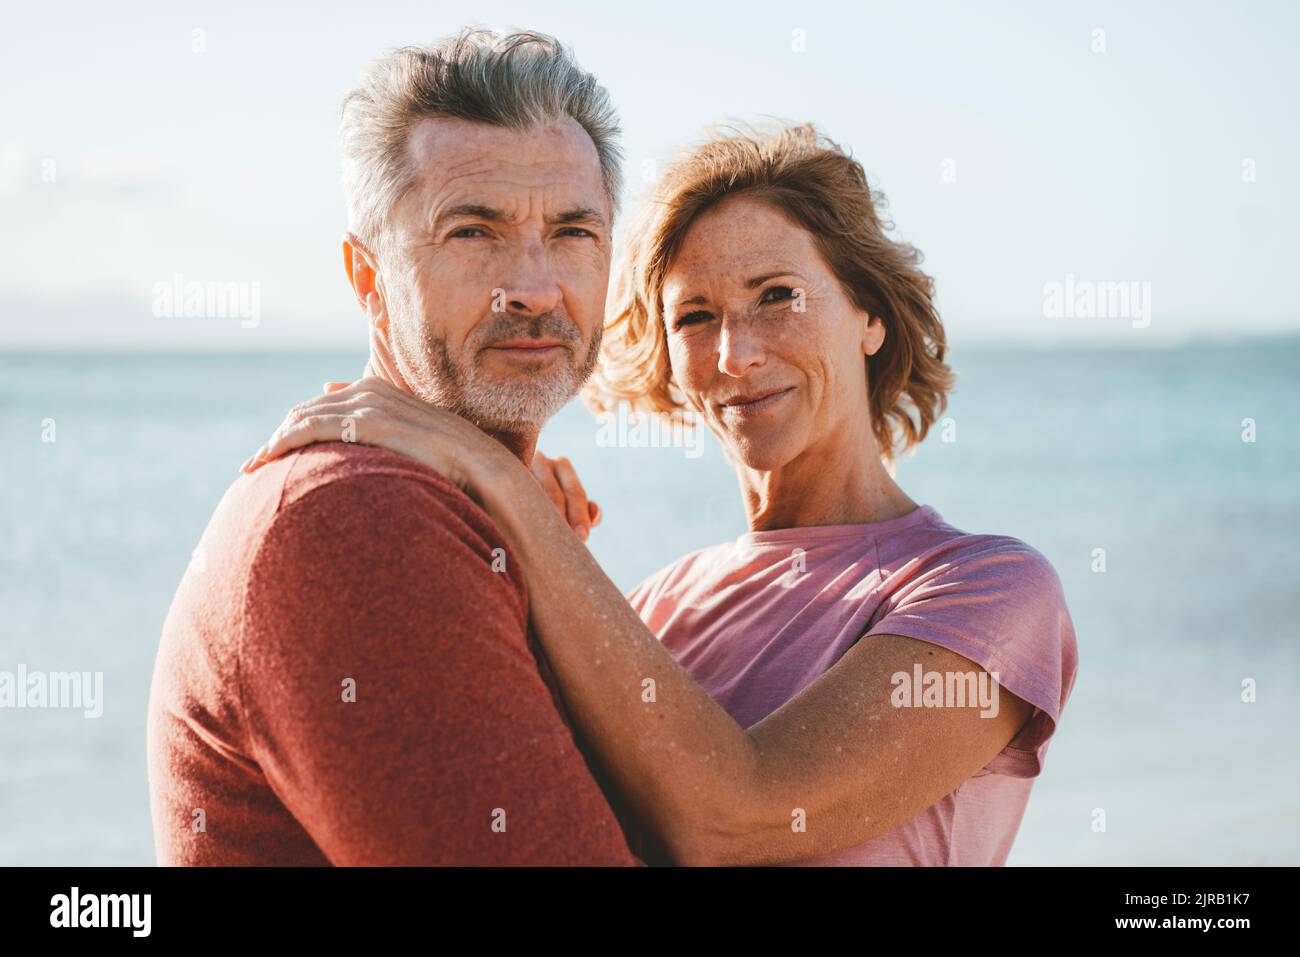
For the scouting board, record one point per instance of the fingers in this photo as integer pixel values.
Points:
(388, 417)
(541, 466)
(559, 480)
(576, 511)
(335, 422)
(342, 400)
(313, 428)
(368, 384)
(309, 430)
(543, 470)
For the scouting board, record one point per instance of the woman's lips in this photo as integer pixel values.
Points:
(745, 406)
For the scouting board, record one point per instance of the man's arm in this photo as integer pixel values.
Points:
(394, 705)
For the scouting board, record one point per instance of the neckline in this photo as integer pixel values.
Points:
(803, 533)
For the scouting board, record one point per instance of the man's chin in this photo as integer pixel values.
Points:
(498, 425)
(512, 407)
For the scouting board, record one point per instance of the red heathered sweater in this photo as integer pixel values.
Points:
(340, 572)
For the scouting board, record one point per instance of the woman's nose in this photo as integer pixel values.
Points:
(739, 349)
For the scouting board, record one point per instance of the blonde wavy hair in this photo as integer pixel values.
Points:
(819, 186)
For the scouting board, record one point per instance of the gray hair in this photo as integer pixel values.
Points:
(516, 80)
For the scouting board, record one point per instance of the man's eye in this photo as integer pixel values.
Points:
(776, 294)
(576, 231)
(468, 232)
(694, 318)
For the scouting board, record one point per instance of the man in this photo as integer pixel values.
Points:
(345, 676)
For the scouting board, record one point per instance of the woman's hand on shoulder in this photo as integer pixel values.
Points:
(371, 411)
(562, 486)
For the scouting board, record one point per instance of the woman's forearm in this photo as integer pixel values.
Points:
(686, 766)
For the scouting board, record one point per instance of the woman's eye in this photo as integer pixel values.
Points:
(776, 294)
(693, 318)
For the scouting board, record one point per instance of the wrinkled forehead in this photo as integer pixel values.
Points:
(542, 169)
(728, 245)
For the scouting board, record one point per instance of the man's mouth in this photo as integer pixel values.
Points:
(531, 349)
(752, 403)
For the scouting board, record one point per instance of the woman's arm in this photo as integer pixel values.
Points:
(836, 766)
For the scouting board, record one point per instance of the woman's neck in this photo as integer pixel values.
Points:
(839, 480)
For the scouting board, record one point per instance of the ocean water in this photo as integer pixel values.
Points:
(110, 466)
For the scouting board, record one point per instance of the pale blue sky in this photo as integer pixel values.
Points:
(1124, 165)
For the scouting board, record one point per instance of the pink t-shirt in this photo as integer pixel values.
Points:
(757, 620)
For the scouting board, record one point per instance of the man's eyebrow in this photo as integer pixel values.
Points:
(490, 214)
(471, 211)
(578, 214)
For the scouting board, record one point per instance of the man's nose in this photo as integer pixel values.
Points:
(739, 348)
(532, 289)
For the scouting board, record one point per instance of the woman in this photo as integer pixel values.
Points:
(853, 681)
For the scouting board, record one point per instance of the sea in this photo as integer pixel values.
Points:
(1163, 483)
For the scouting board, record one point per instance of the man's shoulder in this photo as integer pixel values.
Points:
(315, 466)
(373, 484)
(336, 500)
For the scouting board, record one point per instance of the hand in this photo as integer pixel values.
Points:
(560, 483)
(373, 412)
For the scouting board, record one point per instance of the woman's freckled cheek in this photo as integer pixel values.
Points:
(684, 362)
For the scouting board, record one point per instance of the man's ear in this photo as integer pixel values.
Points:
(873, 334)
(363, 275)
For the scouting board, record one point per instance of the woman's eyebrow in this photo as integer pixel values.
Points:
(759, 280)
(699, 299)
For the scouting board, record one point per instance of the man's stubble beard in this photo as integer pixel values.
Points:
(520, 403)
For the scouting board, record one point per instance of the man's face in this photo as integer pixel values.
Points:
(495, 275)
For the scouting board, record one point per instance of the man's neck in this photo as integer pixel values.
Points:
(522, 445)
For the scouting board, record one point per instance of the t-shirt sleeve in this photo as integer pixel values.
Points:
(641, 597)
(393, 702)
(1001, 605)
(654, 599)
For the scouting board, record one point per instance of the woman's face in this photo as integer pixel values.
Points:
(763, 340)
